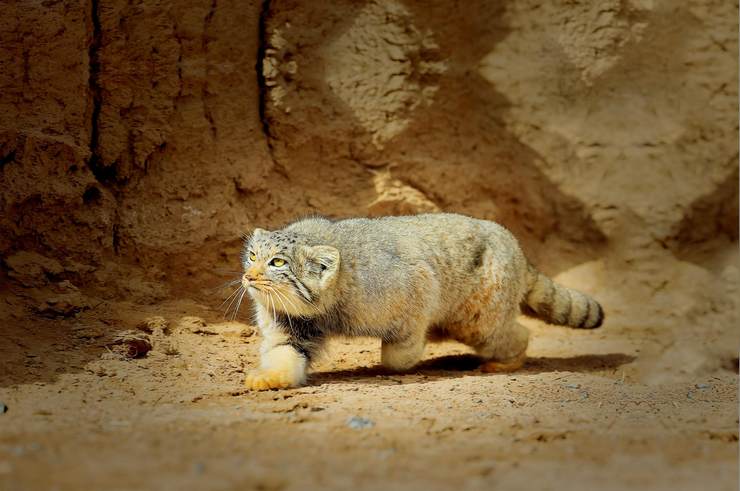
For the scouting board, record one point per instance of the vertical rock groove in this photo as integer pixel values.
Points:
(261, 83)
(94, 162)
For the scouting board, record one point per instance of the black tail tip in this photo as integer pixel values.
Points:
(599, 318)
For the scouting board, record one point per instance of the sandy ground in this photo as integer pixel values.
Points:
(82, 415)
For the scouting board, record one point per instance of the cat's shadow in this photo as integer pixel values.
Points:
(454, 366)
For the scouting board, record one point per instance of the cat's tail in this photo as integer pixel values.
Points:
(557, 304)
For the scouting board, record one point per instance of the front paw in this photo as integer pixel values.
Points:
(269, 379)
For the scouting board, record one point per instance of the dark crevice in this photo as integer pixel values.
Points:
(6, 159)
(207, 24)
(209, 116)
(205, 94)
(154, 157)
(261, 82)
(178, 40)
(91, 196)
(105, 175)
(116, 238)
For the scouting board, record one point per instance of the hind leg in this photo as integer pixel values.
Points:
(501, 342)
(487, 319)
(404, 352)
(505, 349)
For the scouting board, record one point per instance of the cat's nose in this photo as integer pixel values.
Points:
(253, 273)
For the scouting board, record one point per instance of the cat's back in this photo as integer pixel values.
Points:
(432, 230)
(434, 259)
(412, 237)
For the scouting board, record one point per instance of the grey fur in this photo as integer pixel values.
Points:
(403, 280)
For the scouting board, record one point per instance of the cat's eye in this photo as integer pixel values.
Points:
(277, 262)
(252, 256)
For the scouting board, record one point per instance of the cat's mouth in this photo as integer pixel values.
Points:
(274, 296)
(258, 291)
(265, 290)
(259, 286)
(255, 282)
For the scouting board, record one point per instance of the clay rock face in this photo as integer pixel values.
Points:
(620, 99)
(382, 67)
(129, 133)
(45, 73)
(180, 137)
(47, 192)
(584, 98)
(145, 138)
(387, 96)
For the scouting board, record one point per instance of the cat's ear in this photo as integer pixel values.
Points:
(326, 260)
(258, 231)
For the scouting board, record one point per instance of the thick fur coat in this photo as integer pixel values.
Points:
(404, 280)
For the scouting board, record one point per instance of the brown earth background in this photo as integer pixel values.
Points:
(140, 139)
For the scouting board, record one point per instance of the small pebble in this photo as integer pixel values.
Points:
(573, 386)
(703, 386)
(3, 408)
(132, 344)
(358, 423)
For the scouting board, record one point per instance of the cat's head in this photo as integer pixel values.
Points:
(284, 272)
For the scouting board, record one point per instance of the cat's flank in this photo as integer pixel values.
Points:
(404, 280)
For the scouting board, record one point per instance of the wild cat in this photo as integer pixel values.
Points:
(404, 280)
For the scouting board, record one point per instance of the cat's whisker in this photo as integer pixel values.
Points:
(284, 296)
(303, 299)
(228, 307)
(230, 313)
(272, 303)
(279, 297)
(293, 304)
(238, 304)
(311, 304)
(229, 297)
(223, 286)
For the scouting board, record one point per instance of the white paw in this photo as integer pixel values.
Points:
(269, 379)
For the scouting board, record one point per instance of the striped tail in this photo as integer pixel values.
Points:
(556, 304)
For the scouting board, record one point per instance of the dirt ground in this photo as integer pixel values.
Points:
(83, 415)
(140, 139)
